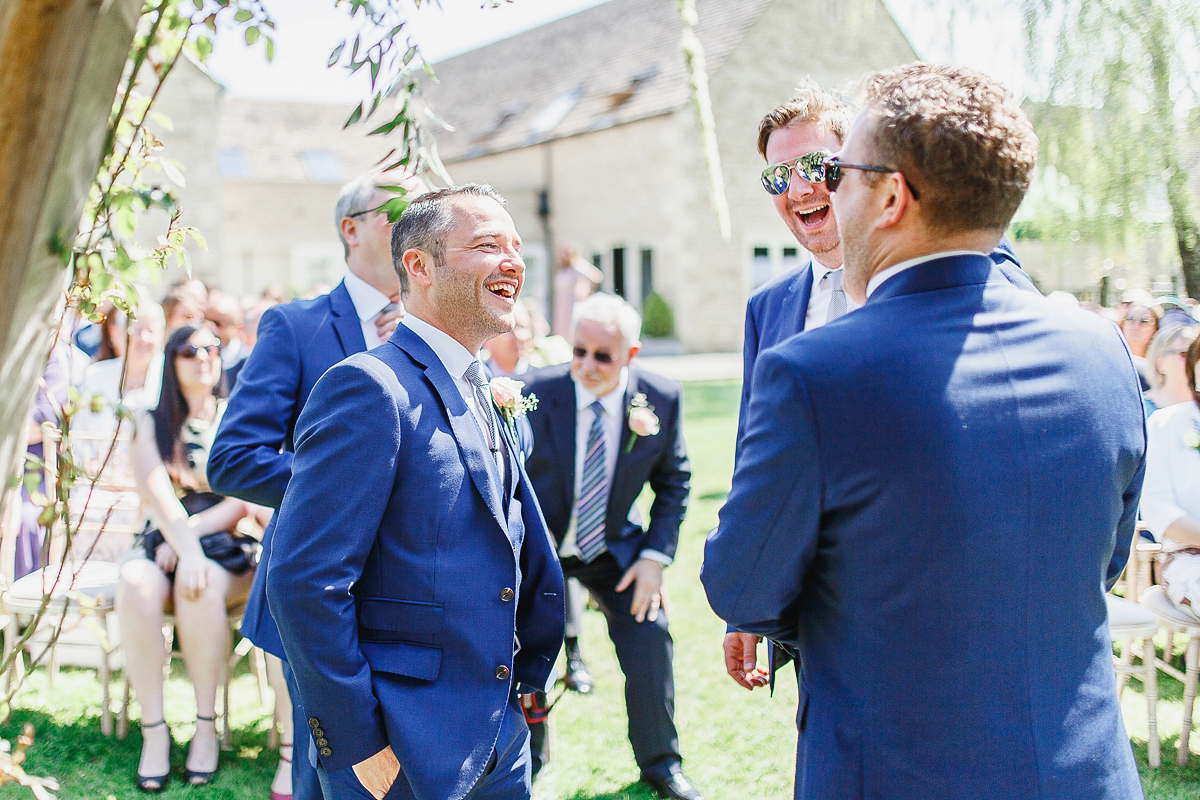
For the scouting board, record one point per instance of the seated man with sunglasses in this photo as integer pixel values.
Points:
(602, 430)
(796, 138)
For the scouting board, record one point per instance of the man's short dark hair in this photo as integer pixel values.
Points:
(810, 104)
(959, 138)
(427, 220)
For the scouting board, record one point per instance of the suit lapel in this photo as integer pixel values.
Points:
(345, 321)
(562, 430)
(624, 452)
(805, 280)
(467, 436)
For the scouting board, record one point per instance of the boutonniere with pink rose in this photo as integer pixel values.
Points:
(506, 394)
(642, 420)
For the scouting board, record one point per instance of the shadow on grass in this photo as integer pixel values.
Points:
(633, 791)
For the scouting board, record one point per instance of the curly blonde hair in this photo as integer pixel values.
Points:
(959, 138)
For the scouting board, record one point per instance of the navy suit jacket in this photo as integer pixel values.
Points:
(778, 310)
(251, 457)
(933, 494)
(403, 569)
(660, 459)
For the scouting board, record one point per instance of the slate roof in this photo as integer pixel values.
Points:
(608, 65)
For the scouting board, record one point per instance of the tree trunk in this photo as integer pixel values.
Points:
(60, 63)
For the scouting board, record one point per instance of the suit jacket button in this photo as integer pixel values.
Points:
(318, 732)
(313, 722)
(507, 594)
(325, 752)
(322, 742)
(502, 672)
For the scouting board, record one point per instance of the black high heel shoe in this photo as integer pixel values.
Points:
(155, 783)
(194, 777)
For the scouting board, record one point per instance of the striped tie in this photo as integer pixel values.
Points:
(592, 505)
(474, 376)
(837, 301)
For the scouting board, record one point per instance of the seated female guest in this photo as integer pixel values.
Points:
(1165, 367)
(187, 559)
(1171, 494)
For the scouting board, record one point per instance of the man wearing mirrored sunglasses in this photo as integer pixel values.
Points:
(796, 138)
(934, 492)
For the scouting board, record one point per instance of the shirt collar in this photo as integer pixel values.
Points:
(611, 401)
(819, 271)
(454, 357)
(896, 269)
(368, 301)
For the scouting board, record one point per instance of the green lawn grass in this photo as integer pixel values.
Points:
(737, 745)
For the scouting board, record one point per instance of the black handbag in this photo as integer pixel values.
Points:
(234, 551)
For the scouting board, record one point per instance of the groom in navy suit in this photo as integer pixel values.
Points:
(413, 580)
(794, 138)
(934, 491)
(251, 457)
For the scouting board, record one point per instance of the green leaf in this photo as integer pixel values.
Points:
(199, 4)
(394, 208)
(336, 54)
(388, 127)
(244, 16)
(252, 34)
(374, 72)
(355, 116)
(408, 56)
(270, 50)
(199, 237)
(429, 70)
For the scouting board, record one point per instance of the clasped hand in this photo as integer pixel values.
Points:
(646, 578)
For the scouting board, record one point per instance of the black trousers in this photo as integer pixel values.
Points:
(644, 651)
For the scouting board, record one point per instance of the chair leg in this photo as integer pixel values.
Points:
(227, 735)
(258, 663)
(123, 717)
(105, 676)
(1192, 661)
(1150, 687)
(1126, 660)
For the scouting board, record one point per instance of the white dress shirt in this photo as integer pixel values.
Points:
(613, 422)
(368, 302)
(822, 293)
(456, 359)
(895, 269)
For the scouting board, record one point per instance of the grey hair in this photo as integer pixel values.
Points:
(608, 309)
(354, 197)
(1162, 342)
(426, 222)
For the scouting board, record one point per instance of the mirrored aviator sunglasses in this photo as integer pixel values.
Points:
(810, 167)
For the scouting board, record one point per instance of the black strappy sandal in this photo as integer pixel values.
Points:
(155, 783)
(194, 777)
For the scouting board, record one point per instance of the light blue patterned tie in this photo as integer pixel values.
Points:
(474, 376)
(837, 301)
(592, 505)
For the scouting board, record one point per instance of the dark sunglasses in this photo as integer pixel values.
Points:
(811, 167)
(190, 351)
(834, 174)
(601, 357)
